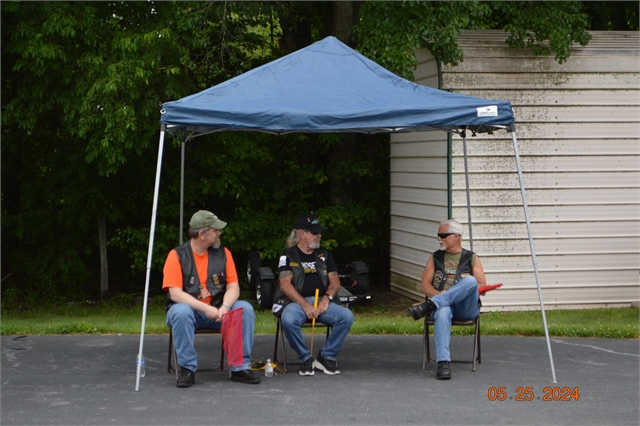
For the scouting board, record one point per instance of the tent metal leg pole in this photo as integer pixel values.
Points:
(154, 211)
(466, 182)
(533, 251)
(182, 157)
(449, 176)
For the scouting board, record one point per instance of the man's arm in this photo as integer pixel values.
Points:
(286, 285)
(427, 279)
(178, 295)
(478, 273)
(231, 295)
(333, 288)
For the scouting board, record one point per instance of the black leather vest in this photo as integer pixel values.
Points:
(440, 275)
(216, 276)
(298, 271)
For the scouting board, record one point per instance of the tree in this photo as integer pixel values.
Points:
(83, 83)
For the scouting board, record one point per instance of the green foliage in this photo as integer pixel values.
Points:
(407, 26)
(83, 84)
(543, 27)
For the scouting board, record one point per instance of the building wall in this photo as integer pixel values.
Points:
(578, 131)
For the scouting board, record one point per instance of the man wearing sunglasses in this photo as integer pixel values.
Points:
(304, 267)
(450, 281)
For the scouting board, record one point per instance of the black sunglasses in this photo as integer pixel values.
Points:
(445, 235)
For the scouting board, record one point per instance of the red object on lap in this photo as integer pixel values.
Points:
(232, 337)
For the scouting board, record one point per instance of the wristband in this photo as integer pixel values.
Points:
(228, 308)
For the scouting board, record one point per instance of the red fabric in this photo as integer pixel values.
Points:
(232, 337)
(486, 288)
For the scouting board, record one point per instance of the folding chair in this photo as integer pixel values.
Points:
(280, 338)
(426, 346)
(172, 352)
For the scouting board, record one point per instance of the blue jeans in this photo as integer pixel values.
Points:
(339, 317)
(184, 320)
(460, 302)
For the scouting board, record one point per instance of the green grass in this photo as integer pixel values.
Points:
(620, 323)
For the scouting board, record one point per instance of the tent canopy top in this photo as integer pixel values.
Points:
(329, 88)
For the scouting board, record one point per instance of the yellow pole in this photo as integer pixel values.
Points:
(313, 321)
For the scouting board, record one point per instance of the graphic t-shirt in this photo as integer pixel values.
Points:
(312, 279)
(451, 261)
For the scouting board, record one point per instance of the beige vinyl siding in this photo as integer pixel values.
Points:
(578, 130)
(418, 192)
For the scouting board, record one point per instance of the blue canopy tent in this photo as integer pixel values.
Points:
(327, 88)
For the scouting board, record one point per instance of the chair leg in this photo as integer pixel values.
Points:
(172, 356)
(176, 368)
(475, 347)
(275, 345)
(169, 351)
(479, 351)
(284, 350)
(425, 344)
(221, 367)
(280, 342)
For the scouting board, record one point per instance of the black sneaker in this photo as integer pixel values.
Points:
(306, 368)
(329, 367)
(443, 372)
(245, 376)
(186, 378)
(422, 310)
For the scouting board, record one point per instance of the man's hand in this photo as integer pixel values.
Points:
(309, 310)
(323, 305)
(222, 311)
(212, 313)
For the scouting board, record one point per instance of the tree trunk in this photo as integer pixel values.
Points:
(342, 20)
(341, 186)
(104, 268)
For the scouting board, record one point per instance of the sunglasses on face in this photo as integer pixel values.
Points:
(445, 235)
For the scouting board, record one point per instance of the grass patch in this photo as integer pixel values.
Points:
(620, 323)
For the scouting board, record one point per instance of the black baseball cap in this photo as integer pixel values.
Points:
(310, 223)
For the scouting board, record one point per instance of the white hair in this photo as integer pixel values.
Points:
(293, 238)
(454, 227)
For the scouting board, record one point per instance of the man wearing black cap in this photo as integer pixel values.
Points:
(202, 282)
(303, 268)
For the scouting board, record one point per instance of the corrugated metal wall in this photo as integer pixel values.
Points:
(578, 128)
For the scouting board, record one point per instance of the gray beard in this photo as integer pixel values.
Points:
(315, 245)
(216, 245)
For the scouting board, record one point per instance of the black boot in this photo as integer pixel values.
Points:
(422, 310)
(443, 372)
(186, 378)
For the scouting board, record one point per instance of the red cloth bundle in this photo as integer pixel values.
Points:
(232, 337)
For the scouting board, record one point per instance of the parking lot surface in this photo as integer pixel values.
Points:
(90, 380)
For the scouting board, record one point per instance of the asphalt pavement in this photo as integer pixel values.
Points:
(90, 380)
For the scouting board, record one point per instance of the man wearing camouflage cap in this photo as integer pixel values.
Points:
(202, 282)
